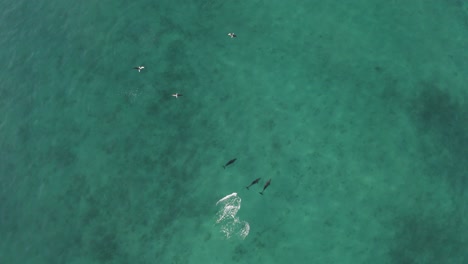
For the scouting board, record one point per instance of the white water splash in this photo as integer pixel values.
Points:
(226, 217)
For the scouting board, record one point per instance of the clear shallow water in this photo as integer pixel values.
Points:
(357, 112)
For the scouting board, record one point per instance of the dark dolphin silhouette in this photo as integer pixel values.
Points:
(266, 186)
(230, 162)
(254, 182)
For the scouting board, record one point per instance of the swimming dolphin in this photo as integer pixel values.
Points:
(139, 68)
(254, 182)
(230, 162)
(266, 186)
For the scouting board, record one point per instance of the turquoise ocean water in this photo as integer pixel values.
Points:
(356, 110)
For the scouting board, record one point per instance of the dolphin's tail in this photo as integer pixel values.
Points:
(247, 187)
(261, 192)
(224, 167)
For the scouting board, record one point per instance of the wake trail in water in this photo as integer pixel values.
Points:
(227, 220)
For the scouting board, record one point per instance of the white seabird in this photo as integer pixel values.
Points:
(139, 68)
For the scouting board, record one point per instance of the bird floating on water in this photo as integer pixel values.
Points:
(139, 68)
